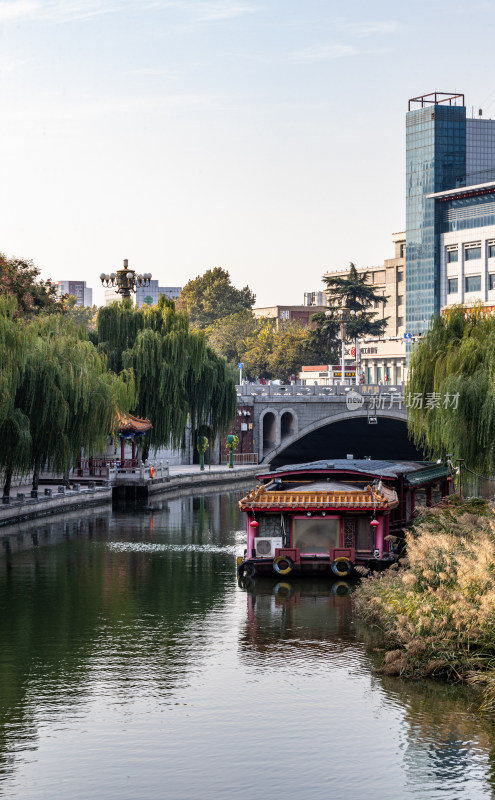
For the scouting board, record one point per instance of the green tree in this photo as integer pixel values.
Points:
(289, 348)
(20, 279)
(323, 343)
(82, 315)
(177, 376)
(259, 347)
(452, 380)
(229, 336)
(63, 397)
(212, 296)
(354, 293)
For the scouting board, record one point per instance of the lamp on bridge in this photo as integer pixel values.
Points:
(125, 280)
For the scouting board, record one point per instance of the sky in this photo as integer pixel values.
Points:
(263, 137)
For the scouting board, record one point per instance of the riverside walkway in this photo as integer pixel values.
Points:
(57, 499)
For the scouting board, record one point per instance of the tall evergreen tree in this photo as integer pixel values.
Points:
(354, 293)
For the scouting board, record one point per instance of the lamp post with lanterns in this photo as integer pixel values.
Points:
(125, 280)
(345, 315)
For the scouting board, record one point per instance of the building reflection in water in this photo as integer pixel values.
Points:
(138, 612)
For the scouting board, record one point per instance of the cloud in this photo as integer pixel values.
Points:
(11, 65)
(345, 34)
(19, 9)
(324, 52)
(50, 110)
(216, 12)
(58, 10)
(70, 10)
(362, 30)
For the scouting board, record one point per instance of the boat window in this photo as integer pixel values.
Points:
(363, 534)
(315, 535)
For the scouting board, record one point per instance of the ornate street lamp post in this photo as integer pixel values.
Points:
(345, 315)
(125, 280)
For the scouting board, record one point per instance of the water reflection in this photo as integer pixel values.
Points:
(132, 665)
(445, 749)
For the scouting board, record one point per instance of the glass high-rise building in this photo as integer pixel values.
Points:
(435, 161)
(444, 151)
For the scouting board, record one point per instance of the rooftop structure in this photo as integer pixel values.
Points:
(301, 314)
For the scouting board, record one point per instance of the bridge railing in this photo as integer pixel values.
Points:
(241, 458)
(297, 390)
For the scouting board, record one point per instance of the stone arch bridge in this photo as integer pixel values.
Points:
(298, 423)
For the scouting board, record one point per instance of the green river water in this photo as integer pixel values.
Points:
(133, 666)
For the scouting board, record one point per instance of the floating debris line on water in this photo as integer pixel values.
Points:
(151, 547)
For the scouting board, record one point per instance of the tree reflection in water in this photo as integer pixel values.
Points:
(130, 627)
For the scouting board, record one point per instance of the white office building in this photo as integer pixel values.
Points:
(82, 293)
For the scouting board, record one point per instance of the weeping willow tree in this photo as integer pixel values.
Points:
(451, 388)
(12, 354)
(63, 398)
(14, 425)
(177, 376)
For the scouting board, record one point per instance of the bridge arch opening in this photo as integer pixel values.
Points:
(269, 431)
(387, 440)
(287, 425)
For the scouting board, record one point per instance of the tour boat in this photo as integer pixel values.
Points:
(329, 517)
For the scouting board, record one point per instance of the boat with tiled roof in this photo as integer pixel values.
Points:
(333, 516)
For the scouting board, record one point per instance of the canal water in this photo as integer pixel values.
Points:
(133, 666)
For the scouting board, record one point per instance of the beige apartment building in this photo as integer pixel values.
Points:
(383, 359)
(301, 314)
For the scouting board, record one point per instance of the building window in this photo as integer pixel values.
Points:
(400, 276)
(400, 322)
(471, 253)
(379, 277)
(452, 255)
(402, 251)
(473, 283)
(285, 314)
(491, 281)
(491, 251)
(452, 286)
(400, 299)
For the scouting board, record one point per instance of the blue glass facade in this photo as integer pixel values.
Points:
(435, 162)
(467, 212)
(480, 151)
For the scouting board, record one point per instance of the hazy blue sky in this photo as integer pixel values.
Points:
(264, 137)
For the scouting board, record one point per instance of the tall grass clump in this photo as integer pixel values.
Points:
(437, 609)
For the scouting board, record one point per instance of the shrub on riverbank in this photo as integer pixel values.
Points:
(437, 609)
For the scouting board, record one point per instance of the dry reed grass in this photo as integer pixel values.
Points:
(437, 609)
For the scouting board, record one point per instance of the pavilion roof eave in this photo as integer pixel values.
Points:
(133, 426)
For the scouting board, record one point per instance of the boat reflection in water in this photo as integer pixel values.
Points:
(298, 613)
(390, 737)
